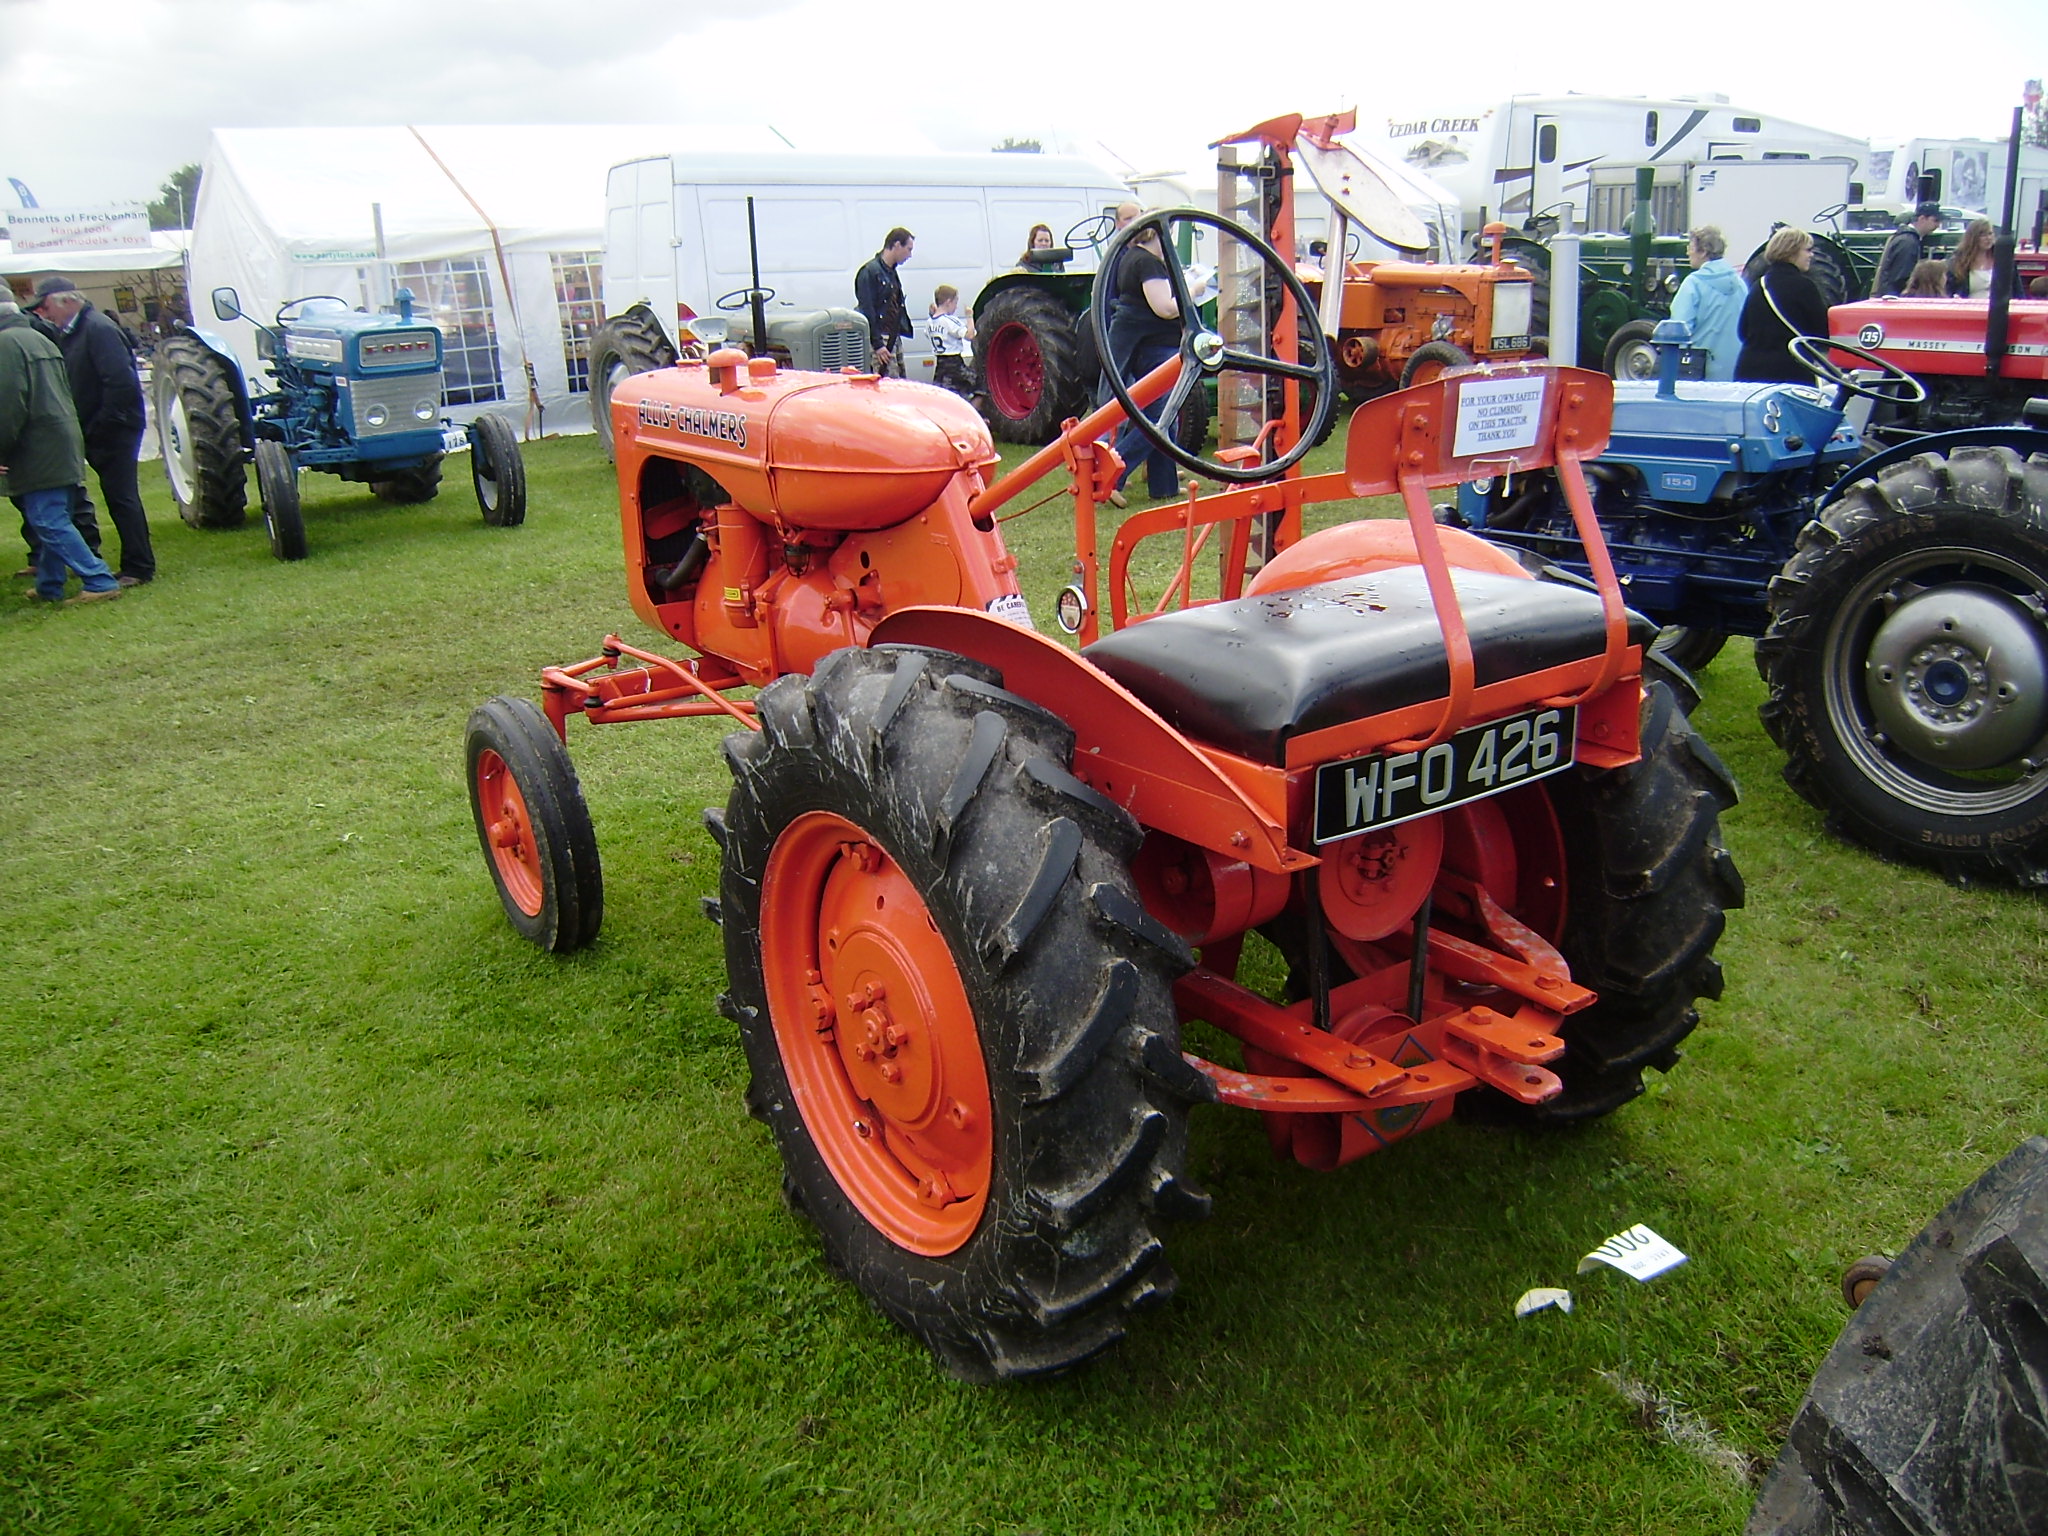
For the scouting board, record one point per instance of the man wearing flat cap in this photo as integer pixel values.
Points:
(109, 400)
(1902, 251)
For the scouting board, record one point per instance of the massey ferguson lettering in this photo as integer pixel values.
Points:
(1408, 130)
(694, 421)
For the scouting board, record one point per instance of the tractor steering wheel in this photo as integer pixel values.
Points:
(1097, 229)
(1896, 386)
(1204, 354)
(1831, 216)
(740, 298)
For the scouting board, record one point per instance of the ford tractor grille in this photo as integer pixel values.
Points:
(384, 406)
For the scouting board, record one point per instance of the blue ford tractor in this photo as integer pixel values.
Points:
(356, 395)
(1899, 600)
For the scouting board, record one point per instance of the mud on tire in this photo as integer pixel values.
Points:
(951, 788)
(1647, 888)
(1906, 658)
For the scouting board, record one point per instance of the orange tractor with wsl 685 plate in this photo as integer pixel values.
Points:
(975, 880)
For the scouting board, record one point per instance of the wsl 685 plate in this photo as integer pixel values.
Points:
(1382, 789)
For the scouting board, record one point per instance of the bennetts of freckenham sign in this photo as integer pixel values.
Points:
(107, 227)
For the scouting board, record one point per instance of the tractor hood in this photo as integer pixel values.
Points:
(1687, 446)
(328, 335)
(804, 450)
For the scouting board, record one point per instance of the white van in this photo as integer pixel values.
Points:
(677, 242)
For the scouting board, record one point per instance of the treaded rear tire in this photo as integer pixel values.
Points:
(1647, 887)
(199, 430)
(623, 346)
(1024, 875)
(1015, 327)
(1431, 359)
(1974, 520)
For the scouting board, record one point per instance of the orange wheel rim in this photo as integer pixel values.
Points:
(514, 852)
(876, 1034)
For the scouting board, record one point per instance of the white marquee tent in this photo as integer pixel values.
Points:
(498, 232)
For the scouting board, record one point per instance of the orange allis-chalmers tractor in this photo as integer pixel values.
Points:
(975, 880)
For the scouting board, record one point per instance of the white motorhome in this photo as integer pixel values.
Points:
(1968, 174)
(1535, 154)
(677, 234)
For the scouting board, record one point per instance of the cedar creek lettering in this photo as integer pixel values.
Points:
(1400, 130)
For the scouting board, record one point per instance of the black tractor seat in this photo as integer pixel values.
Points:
(1249, 674)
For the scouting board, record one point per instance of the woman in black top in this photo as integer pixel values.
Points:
(1783, 302)
(1144, 331)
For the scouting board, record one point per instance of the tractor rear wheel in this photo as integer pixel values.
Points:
(1430, 359)
(958, 1015)
(533, 824)
(409, 487)
(1647, 884)
(277, 483)
(1907, 662)
(497, 471)
(623, 346)
(1689, 647)
(199, 427)
(1031, 365)
(1629, 353)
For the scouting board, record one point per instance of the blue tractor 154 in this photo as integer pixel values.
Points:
(355, 395)
(1899, 600)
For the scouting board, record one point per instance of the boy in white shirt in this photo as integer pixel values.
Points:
(952, 342)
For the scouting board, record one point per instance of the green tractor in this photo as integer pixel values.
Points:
(1626, 285)
(1034, 350)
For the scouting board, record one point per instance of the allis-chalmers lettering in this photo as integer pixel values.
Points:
(693, 421)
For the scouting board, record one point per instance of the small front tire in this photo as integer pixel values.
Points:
(277, 482)
(533, 824)
(498, 471)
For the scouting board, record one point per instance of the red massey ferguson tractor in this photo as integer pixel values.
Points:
(975, 880)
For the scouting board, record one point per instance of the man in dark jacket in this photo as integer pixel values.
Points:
(878, 291)
(42, 457)
(1902, 251)
(109, 401)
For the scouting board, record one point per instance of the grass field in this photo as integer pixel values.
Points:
(328, 1204)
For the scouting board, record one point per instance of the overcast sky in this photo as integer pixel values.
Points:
(103, 99)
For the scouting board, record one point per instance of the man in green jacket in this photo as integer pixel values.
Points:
(42, 456)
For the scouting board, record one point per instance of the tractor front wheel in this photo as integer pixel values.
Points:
(623, 346)
(533, 824)
(1907, 662)
(277, 482)
(497, 471)
(1629, 353)
(199, 427)
(958, 1016)
(1688, 646)
(1031, 365)
(1430, 360)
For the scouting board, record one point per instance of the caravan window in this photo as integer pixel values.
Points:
(1650, 129)
(1749, 125)
(456, 296)
(1546, 143)
(579, 277)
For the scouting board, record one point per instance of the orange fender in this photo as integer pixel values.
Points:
(1354, 549)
